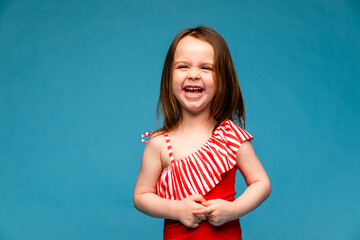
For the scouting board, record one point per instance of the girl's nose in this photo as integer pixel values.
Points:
(193, 74)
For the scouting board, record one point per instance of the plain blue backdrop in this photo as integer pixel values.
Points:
(79, 82)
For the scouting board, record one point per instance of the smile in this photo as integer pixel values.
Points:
(194, 90)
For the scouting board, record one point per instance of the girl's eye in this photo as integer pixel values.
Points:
(207, 68)
(182, 66)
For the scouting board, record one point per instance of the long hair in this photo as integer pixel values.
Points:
(228, 101)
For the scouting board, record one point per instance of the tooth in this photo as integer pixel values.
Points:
(193, 89)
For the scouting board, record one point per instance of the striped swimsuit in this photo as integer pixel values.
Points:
(210, 171)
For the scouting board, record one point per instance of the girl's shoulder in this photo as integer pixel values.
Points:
(155, 142)
(156, 149)
(151, 137)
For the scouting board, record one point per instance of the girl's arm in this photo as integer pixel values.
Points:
(220, 211)
(147, 201)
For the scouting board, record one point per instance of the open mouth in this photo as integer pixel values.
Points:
(194, 90)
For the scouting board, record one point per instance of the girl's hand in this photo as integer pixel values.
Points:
(188, 206)
(217, 211)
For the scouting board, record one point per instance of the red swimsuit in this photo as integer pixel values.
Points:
(210, 171)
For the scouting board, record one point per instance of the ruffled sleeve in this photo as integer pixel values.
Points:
(226, 141)
(234, 136)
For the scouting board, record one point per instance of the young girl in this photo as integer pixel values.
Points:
(188, 167)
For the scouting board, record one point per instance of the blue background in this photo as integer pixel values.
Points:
(79, 82)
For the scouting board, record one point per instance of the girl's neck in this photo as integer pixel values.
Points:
(197, 122)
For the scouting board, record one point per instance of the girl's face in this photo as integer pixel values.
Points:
(193, 82)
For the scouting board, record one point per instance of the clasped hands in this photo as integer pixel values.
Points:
(196, 209)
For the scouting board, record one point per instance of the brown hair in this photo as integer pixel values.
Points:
(228, 101)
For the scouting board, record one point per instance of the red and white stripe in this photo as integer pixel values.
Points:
(144, 135)
(199, 172)
(168, 144)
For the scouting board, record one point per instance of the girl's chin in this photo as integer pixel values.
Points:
(195, 109)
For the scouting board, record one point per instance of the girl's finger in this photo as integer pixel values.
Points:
(195, 225)
(198, 198)
(208, 203)
(202, 217)
(198, 220)
(205, 211)
(200, 212)
(213, 223)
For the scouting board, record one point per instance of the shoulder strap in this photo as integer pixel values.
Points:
(167, 139)
(145, 134)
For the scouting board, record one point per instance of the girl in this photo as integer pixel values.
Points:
(189, 180)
